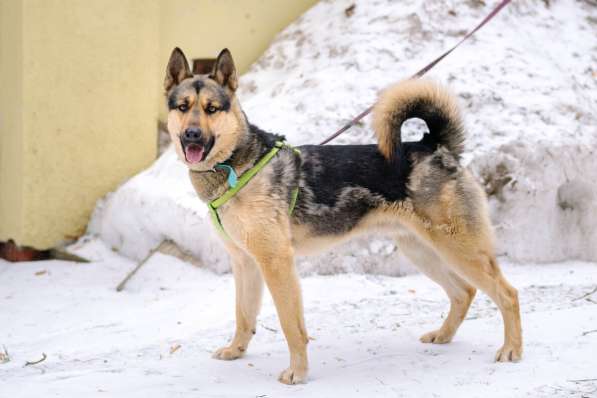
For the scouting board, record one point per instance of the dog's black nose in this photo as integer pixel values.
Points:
(192, 134)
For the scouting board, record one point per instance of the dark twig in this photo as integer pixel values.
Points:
(268, 328)
(43, 358)
(586, 295)
(61, 254)
(581, 380)
(589, 331)
(122, 284)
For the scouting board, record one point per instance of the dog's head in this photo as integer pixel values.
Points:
(205, 120)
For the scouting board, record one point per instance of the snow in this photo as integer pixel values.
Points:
(364, 331)
(527, 84)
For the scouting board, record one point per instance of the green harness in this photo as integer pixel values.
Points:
(236, 184)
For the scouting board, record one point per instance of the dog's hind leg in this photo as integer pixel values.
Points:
(451, 216)
(249, 288)
(475, 263)
(461, 294)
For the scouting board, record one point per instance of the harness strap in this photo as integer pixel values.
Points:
(243, 180)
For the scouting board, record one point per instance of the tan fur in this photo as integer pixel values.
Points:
(227, 127)
(442, 226)
(459, 291)
(249, 290)
(392, 107)
(457, 257)
(259, 228)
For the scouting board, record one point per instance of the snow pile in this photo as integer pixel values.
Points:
(527, 84)
(155, 205)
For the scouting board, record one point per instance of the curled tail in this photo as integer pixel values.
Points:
(418, 99)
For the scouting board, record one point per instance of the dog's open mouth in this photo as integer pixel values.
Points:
(194, 153)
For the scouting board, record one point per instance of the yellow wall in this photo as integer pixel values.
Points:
(81, 92)
(88, 111)
(11, 121)
(201, 28)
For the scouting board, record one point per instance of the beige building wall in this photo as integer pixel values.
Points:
(86, 117)
(81, 92)
(202, 28)
(11, 120)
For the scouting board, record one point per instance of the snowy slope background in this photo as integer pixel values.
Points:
(527, 84)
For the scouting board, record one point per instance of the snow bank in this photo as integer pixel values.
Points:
(527, 84)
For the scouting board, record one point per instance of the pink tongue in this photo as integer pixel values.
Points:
(194, 153)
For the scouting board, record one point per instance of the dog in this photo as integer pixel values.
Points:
(416, 192)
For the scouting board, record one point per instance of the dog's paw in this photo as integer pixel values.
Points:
(293, 376)
(228, 353)
(436, 337)
(508, 353)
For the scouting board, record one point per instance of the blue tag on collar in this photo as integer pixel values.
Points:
(232, 178)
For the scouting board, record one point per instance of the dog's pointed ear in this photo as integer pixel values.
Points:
(224, 71)
(177, 69)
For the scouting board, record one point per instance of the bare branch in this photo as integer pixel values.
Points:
(122, 284)
(43, 358)
(268, 328)
(581, 380)
(586, 295)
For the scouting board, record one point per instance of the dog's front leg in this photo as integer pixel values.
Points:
(271, 248)
(249, 289)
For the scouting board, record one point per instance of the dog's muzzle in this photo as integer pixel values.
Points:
(194, 146)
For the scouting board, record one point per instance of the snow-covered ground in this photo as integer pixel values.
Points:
(528, 86)
(527, 83)
(155, 338)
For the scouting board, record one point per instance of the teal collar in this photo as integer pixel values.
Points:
(232, 177)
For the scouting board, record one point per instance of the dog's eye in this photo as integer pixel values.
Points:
(211, 109)
(183, 107)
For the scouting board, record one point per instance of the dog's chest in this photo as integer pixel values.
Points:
(208, 185)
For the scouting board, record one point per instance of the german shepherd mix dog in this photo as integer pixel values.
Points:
(417, 192)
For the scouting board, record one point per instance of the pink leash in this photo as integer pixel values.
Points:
(424, 70)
